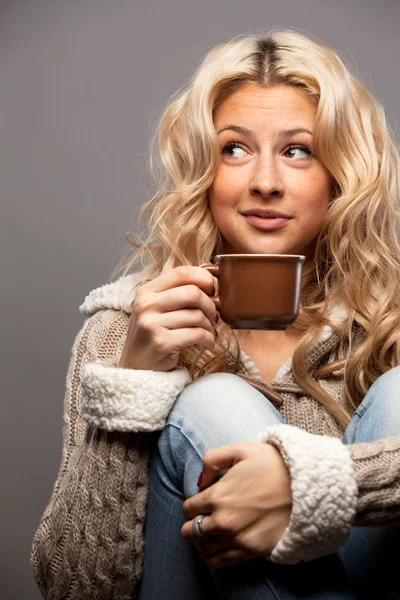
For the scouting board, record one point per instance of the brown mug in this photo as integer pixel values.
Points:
(257, 291)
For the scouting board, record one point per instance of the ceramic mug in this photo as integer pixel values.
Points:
(257, 291)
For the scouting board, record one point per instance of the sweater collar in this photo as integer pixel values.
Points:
(118, 295)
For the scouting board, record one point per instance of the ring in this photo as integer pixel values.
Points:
(196, 527)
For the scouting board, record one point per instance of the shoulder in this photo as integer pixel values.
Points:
(117, 295)
(107, 310)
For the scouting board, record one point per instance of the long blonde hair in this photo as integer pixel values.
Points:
(357, 256)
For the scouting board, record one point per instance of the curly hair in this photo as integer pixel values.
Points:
(357, 255)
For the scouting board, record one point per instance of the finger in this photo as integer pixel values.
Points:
(229, 557)
(189, 317)
(199, 504)
(207, 548)
(208, 527)
(183, 338)
(216, 281)
(219, 459)
(183, 275)
(186, 297)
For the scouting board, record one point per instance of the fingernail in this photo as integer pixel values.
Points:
(200, 479)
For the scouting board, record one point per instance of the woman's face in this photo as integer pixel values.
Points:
(263, 165)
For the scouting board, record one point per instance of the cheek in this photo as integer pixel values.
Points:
(314, 213)
(316, 195)
(227, 187)
(315, 204)
(220, 196)
(312, 207)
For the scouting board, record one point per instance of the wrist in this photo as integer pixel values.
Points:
(126, 362)
(324, 492)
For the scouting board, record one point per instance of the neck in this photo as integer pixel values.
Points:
(268, 335)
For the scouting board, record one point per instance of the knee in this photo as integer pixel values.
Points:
(212, 384)
(382, 403)
(390, 378)
(386, 389)
(212, 392)
(222, 399)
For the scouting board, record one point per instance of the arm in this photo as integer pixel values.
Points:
(324, 493)
(377, 472)
(334, 487)
(89, 540)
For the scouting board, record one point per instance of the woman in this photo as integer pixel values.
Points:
(295, 434)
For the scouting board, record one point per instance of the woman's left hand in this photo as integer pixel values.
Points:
(247, 510)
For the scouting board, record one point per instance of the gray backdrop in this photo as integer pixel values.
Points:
(81, 86)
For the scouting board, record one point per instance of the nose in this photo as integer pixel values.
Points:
(266, 179)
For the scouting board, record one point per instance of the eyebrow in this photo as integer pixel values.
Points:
(249, 133)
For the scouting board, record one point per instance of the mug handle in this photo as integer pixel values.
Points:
(214, 270)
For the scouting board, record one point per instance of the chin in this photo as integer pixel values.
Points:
(254, 248)
(272, 250)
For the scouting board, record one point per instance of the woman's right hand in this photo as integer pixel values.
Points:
(169, 313)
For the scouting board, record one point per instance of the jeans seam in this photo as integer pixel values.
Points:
(355, 431)
(273, 591)
(186, 438)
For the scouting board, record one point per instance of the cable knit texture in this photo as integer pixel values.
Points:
(118, 399)
(89, 542)
(324, 493)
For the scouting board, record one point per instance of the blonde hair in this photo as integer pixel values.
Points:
(357, 256)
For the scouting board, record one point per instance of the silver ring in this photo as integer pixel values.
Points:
(196, 527)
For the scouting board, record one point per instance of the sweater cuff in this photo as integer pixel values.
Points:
(324, 493)
(117, 399)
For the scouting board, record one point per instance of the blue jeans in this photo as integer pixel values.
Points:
(220, 409)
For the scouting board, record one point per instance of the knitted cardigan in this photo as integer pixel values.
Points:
(89, 543)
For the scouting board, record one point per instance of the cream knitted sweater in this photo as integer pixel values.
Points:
(89, 543)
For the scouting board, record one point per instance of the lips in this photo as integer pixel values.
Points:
(267, 224)
(265, 213)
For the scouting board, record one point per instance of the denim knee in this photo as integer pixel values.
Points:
(378, 415)
(223, 408)
(389, 380)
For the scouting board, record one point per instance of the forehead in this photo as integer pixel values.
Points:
(254, 102)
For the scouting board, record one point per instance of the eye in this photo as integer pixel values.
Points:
(299, 147)
(228, 148)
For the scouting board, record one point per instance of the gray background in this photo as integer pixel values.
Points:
(81, 87)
